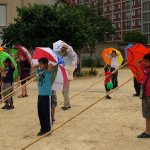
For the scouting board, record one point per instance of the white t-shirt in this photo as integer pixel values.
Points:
(114, 61)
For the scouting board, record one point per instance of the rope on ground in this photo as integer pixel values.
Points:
(38, 139)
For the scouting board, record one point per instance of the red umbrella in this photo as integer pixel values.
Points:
(23, 51)
(134, 54)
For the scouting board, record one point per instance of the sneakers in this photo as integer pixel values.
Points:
(108, 97)
(143, 135)
(5, 107)
(66, 107)
(135, 94)
(42, 133)
(8, 107)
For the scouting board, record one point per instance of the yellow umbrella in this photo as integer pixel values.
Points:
(107, 51)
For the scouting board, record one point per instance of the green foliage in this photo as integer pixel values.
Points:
(135, 37)
(42, 25)
(89, 62)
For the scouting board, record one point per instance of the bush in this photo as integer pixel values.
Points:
(89, 62)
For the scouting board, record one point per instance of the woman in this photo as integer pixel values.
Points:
(25, 69)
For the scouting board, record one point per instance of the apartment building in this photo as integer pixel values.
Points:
(126, 15)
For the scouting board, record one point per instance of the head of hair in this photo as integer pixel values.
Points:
(114, 52)
(106, 69)
(7, 60)
(147, 56)
(43, 60)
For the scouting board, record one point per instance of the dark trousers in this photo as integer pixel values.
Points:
(44, 113)
(137, 86)
(114, 78)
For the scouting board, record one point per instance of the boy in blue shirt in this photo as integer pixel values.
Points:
(44, 95)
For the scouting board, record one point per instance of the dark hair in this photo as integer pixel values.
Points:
(147, 56)
(106, 69)
(114, 51)
(7, 60)
(43, 60)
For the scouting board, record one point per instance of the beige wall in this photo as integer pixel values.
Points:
(12, 4)
(11, 8)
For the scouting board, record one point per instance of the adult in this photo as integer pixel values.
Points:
(25, 69)
(70, 59)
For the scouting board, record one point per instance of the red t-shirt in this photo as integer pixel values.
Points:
(146, 72)
(107, 77)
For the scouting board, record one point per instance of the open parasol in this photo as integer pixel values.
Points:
(108, 51)
(134, 54)
(59, 75)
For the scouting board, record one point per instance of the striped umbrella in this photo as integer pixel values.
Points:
(59, 75)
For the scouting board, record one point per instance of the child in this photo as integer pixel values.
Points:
(145, 65)
(107, 80)
(7, 81)
(44, 95)
(114, 67)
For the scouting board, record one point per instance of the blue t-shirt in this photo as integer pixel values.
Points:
(44, 83)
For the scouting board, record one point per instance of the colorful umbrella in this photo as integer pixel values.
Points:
(3, 56)
(108, 51)
(59, 75)
(23, 50)
(134, 54)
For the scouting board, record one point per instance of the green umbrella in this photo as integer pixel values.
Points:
(14, 51)
(3, 56)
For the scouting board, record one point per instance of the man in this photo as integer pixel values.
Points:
(70, 59)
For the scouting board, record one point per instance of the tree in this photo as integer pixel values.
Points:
(42, 25)
(135, 37)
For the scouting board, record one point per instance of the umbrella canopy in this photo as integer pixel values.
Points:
(135, 53)
(59, 75)
(58, 45)
(23, 51)
(3, 56)
(107, 51)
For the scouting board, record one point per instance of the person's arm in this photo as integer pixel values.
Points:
(50, 67)
(108, 56)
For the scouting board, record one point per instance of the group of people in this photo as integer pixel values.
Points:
(142, 89)
(47, 99)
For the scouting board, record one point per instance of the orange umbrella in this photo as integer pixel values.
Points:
(107, 51)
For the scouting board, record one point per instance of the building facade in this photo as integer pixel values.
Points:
(126, 15)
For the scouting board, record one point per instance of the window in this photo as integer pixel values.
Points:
(133, 13)
(128, 4)
(133, 22)
(2, 15)
(139, 11)
(139, 22)
(128, 24)
(119, 24)
(119, 6)
(119, 15)
(145, 27)
(128, 15)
